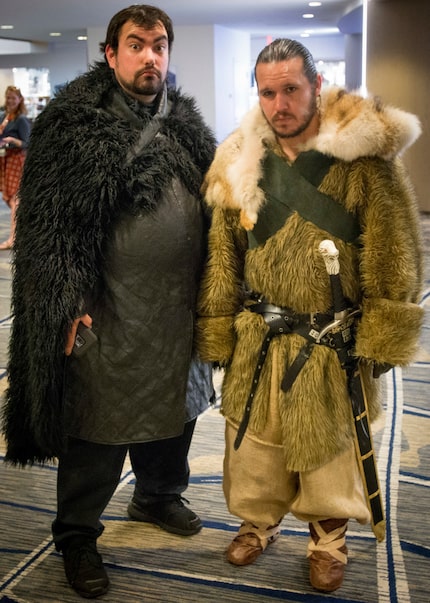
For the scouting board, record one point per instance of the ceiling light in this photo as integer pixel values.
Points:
(55, 34)
(308, 16)
(305, 35)
(6, 26)
(315, 3)
(81, 38)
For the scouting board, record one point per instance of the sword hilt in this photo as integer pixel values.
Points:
(330, 255)
(344, 316)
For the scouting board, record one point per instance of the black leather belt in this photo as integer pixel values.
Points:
(283, 321)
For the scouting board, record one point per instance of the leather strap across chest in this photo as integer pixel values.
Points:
(294, 188)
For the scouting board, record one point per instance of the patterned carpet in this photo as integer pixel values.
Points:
(146, 564)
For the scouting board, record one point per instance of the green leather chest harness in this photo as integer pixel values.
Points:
(294, 188)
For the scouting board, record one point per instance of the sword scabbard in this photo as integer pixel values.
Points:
(366, 455)
(363, 436)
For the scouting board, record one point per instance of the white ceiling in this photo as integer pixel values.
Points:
(33, 20)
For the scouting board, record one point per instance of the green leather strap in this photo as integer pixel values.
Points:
(294, 188)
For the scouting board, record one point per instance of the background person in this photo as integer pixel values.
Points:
(111, 233)
(298, 151)
(15, 130)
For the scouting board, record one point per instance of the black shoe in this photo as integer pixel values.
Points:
(171, 515)
(83, 566)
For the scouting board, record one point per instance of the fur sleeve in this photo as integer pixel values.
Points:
(391, 267)
(221, 292)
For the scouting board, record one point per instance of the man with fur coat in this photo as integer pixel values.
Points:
(305, 165)
(111, 234)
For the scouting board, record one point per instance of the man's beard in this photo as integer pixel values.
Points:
(146, 87)
(312, 109)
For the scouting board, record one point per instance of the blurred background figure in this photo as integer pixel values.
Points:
(15, 130)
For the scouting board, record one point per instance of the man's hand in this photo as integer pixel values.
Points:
(11, 140)
(71, 335)
(379, 368)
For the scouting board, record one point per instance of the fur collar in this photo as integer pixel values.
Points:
(351, 127)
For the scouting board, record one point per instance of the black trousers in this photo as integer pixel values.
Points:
(89, 473)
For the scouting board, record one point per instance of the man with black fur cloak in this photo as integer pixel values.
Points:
(111, 237)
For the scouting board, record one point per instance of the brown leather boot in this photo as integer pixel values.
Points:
(327, 553)
(248, 545)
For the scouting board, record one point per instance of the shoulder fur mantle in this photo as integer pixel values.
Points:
(351, 127)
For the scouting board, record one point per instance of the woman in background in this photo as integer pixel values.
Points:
(15, 130)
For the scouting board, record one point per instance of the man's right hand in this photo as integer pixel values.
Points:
(71, 335)
(379, 368)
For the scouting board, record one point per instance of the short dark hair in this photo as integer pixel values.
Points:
(283, 49)
(142, 15)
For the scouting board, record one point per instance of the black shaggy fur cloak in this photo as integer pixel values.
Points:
(74, 192)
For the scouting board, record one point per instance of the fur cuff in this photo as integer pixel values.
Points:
(215, 339)
(389, 331)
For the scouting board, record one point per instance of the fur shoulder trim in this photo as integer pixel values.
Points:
(232, 181)
(353, 126)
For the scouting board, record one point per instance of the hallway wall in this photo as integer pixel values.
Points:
(398, 48)
(398, 51)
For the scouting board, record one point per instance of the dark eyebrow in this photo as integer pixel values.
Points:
(133, 36)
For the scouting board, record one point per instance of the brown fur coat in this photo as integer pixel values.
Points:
(383, 275)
